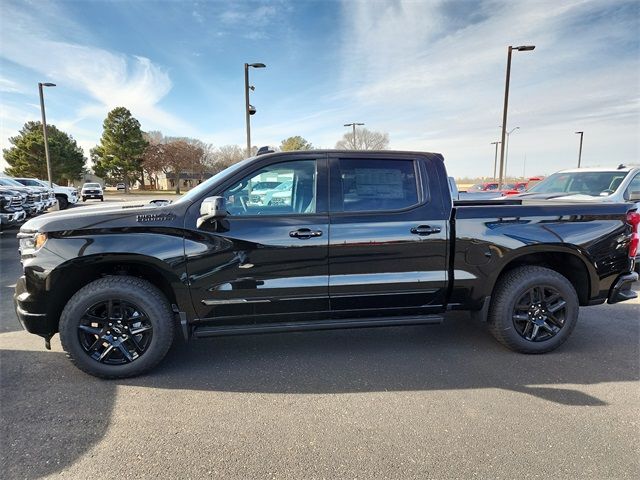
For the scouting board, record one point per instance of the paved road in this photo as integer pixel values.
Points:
(440, 401)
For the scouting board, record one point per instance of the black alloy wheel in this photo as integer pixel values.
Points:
(539, 314)
(116, 327)
(115, 332)
(533, 309)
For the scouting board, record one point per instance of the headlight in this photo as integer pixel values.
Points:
(30, 243)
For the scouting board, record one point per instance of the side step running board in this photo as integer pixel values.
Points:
(209, 331)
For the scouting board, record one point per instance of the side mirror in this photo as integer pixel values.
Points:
(634, 196)
(211, 207)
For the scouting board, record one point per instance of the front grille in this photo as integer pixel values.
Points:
(16, 202)
(31, 199)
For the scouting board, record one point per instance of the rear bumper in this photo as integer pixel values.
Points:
(621, 289)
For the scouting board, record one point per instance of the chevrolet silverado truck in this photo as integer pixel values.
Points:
(367, 239)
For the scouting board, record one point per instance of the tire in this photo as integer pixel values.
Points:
(63, 203)
(91, 340)
(84, 199)
(102, 199)
(532, 296)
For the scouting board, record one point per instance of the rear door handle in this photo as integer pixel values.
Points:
(304, 233)
(425, 230)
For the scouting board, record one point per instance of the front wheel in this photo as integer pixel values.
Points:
(62, 202)
(117, 327)
(533, 309)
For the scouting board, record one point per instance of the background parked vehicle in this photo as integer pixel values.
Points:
(65, 195)
(92, 190)
(11, 210)
(121, 186)
(603, 185)
(34, 202)
(259, 190)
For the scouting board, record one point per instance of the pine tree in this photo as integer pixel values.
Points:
(26, 158)
(119, 154)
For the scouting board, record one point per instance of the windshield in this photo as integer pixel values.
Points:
(204, 186)
(264, 185)
(284, 186)
(91, 185)
(10, 182)
(581, 183)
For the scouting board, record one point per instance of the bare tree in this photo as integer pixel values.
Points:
(182, 156)
(364, 140)
(220, 158)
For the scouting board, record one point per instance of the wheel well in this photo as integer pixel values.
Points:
(69, 280)
(565, 264)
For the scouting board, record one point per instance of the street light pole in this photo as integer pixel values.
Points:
(495, 161)
(353, 124)
(44, 130)
(580, 151)
(522, 48)
(506, 149)
(247, 107)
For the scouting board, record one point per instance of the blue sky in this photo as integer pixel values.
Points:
(430, 73)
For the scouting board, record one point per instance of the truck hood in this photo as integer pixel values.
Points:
(117, 215)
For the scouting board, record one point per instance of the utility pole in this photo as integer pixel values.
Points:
(44, 130)
(580, 151)
(353, 124)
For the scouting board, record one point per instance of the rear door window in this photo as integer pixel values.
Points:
(373, 185)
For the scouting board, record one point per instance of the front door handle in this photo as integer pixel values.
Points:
(425, 230)
(304, 233)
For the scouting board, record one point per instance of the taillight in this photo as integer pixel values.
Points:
(633, 219)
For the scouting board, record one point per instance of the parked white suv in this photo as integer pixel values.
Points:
(65, 195)
(610, 185)
(92, 190)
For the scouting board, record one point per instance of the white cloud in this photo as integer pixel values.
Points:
(110, 79)
(432, 74)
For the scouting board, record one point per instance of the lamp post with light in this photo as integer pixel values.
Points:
(580, 151)
(44, 129)
(353, 124)
(495, 161)
(521, 48)
(249, 109)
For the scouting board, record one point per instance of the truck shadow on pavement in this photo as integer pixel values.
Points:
(460, 354)
(52, 413)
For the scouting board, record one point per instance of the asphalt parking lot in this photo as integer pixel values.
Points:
(417, 402)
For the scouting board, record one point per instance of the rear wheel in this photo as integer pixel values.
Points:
(533, 310)
(117, 327)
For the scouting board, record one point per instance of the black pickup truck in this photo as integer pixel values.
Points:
(316, 240)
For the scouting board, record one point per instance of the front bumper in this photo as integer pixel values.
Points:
(12, 218)
(621, 289)
(32, 311)
(91, 194)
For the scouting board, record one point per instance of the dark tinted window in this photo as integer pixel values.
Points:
(376, 185)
